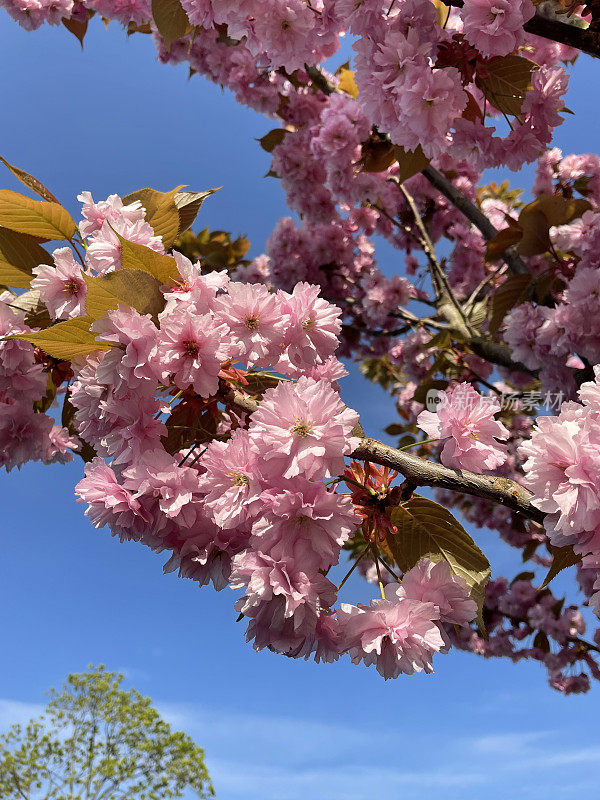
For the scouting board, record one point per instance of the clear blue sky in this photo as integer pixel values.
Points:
(112, 120)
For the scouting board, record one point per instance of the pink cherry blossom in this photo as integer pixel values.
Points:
(303, 428)
(108, 501)
(398, 637)
(231, 480)
(191, 349)
(253, 316)
(313, 325)
(62, 288)
(495, 27)
(437, 584)
(466, 421)
(302, 520)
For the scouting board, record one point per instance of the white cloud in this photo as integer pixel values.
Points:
(15, 711)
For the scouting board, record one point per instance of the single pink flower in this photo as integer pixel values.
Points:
(466, 420)
(303, 429)
(62, 288)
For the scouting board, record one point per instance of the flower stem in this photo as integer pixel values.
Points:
(354, 566)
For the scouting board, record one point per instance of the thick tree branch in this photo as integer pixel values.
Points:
(421, 472)
(473, 214)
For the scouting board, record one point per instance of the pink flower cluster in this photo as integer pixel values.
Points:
(401, 632)
(26, 433)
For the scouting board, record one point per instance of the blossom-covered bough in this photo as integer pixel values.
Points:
(202, 389)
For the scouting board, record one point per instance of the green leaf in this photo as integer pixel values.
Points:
(171, 20)
(65, 340)
(161, 212)
(428, 530)
(29, 181)
(47, 220)
(505, 80)
(131, 287)
(507, 296)
(138, 256)
(562, 557)
(188, 204)
(477, 313)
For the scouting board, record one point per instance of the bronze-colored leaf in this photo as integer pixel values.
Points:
(171, 20)
(541, 641)
(347, 83)
(271, 139)
(36, 313)
(29, 181)
(35, 217)
(505, 80)
(138, 256)
(65, 340)
(507, 296)
(498, 244)
(411, 162)
(77, 27)
(131, 287)
(13, 276)
(188, 204)
(558, 210)
(536, 232)
(259, 382)
(428, 530)
(22, 251)
(161, 212)
(562, 557)
(377, 155)
(190, 421)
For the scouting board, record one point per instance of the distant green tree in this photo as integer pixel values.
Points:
(97, 741)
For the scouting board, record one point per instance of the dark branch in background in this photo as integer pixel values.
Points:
(473, 214)
(585, 39)
(421, 472)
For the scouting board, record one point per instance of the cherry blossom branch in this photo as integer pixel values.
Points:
(443, 292)
(473, 214)
(421, 472)
(585, 39)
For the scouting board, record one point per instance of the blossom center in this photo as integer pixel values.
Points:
(397, 633)
(251, 322)
(309, 322)
(301, 428)
(190, 347)
(239, 479)
(71, 286)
